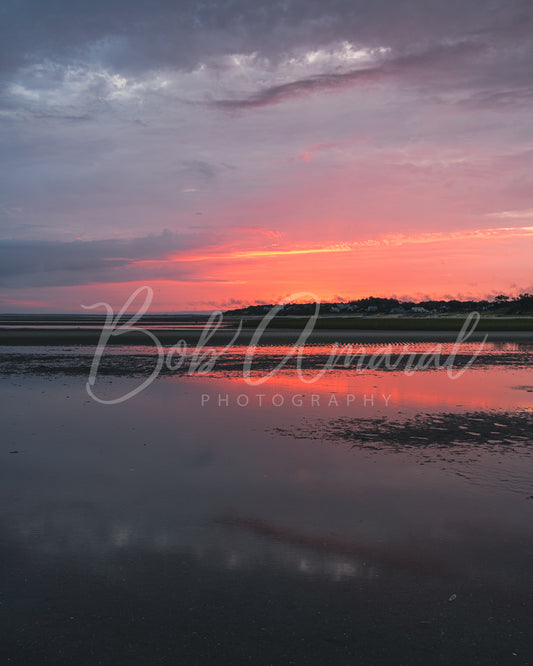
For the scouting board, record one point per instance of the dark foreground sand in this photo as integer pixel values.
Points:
(459, 594)
(79, 588)
(10, 336)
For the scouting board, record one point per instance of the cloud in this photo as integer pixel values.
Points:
(55, 263)
(513, 214)
(132, 35)
(499, 99)
(198, 167)
(438, 59)
(120, 118)
(78, 62)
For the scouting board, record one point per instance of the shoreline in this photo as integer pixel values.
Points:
(73, 337)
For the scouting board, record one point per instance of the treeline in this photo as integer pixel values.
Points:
(500, 305)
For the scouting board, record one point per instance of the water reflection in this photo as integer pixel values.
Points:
(92, 478)
(273, 492)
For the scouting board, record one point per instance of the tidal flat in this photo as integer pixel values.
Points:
(347, 518)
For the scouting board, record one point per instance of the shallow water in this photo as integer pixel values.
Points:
(205, 520)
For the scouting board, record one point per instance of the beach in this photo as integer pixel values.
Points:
(80, 330)
(351, 519)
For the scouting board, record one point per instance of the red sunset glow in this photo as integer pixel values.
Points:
(361, 162)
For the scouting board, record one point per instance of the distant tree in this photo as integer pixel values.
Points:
(522, 303)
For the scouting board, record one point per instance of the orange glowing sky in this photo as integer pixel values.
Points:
(384, 156)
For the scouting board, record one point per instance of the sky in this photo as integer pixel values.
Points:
(227, 153)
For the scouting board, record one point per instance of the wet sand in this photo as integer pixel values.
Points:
(450, 436)
(63, 337)
(143, 361)
(151, 534)
(158, 532)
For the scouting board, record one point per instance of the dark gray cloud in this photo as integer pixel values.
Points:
(440, 60)
(201, 168)
(507, 98)
(60, 59)
(130, 35)
(54, 263)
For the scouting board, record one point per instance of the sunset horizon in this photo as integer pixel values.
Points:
(240, 274)
(350, 151)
